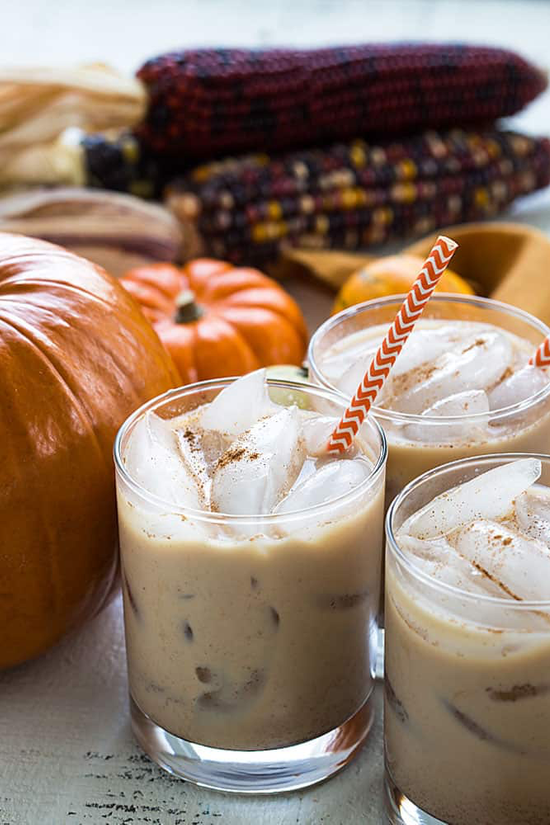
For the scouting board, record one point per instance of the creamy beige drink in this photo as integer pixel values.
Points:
(461, 385)
(251, 564)
(467, 715)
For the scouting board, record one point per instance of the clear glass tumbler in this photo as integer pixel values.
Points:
(467, 688)
(418, 443)
(251, 640)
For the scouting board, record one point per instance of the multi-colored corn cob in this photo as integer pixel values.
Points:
(211, 102)
(359, 194)
(98, 160)
(120, 163)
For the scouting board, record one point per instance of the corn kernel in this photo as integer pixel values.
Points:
(377, 156)
(259, 233)
(274, 210)
(481, 197)
(227, 200)
(403, 192)
(493, 149)
(349, 198)
(300, 169)
(203, 173)
(321, 224)
(406, 169)
(358, 155)
(130, 150)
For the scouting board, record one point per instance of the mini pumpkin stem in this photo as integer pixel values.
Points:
(187, 309)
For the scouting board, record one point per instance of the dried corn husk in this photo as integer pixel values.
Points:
(37, 105)
(113, 230)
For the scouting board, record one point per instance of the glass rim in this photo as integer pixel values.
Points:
(396, 416)
(262, 518)
(406, 560)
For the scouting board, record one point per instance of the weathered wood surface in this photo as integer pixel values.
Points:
(67, 754)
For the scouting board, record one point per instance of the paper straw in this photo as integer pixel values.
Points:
(410, 311)
(541, 357)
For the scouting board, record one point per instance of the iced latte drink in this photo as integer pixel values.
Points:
(460, 387)
(251, 577)
(467, 715)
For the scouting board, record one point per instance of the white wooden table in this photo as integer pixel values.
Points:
(67, 753)
(66, 750)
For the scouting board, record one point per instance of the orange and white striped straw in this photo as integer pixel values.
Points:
(541, 358)
(420, 293)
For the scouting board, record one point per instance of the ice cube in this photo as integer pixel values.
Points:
(517, 387)
(153, 460)
(433, 551)
(469, 402)
(428, 343)
(477, 364)
(190, 446)
(349, 353)
(331, 480)
(213, 445)
(533, 514)
(309, 467)
(520, 566)
(259, 468)
(239, 406)
(443, 562)
(489, 496)
(349, 381)
(316, 431)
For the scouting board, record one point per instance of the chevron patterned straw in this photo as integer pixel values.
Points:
(420, 293)
(541, 358)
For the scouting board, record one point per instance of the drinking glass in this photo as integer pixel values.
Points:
(467, 689)
(251, 640)
(418, 443)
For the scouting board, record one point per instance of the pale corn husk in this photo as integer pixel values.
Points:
(37, 105)
(113, 230)
(60, 162)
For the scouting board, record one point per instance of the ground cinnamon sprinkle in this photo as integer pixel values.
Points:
(496, 581)
(192, 439)
(402, 383)
(477, 343)
(236, 454)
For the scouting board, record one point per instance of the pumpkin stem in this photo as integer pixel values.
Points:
(187, 310)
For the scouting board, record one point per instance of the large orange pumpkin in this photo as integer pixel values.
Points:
(216, 320)
(76, 357)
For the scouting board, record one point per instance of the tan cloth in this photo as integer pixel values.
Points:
(506, 261)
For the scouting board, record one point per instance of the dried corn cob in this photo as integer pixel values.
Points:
(101, 161)
(120, 163)
(206, 103)
(355, 195)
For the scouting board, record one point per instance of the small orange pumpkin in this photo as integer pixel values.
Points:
(392, 275)
(216, 320)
